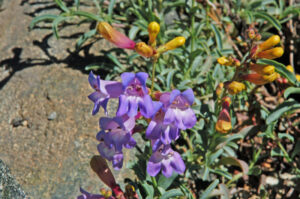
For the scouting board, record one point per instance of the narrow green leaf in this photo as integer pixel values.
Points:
(218, 36)
(171, 193)
(62, 5)
(170, 78)
(133, 31)
(281, 69)
(87, 15)
(77, 3)
(115, 60)
(111, 7)
(209, 189)
(55, 24)
(165, 182)
(269, 18)
(235, 162)
(85, 37)
(296, 150)
(291, 90)
(41, 18)
(281, 109)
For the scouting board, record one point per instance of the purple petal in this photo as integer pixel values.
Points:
(117, 161)
(165, 136)
(174, 132)
(173, 95)
(97, 98)
(123, 105)
(169, 116)
(156, 144)
(105, 151)
(189, 118)
(156, 107)
(108, 123)
(177, 163)
(87, 195)
(146, 106)
(104, 105)
(127, 79)
(153, 168)
(131, 143)
(142, 77)
(189, 96)
(113, 88)
(94, 81)
(129, 122)
(179, 119)
(167, 169)
(133, 107)
(117, 139)
(154, 130)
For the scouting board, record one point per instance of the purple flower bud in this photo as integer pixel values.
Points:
(167, 160)
(135, 95)
(103, 91)
(177, 108)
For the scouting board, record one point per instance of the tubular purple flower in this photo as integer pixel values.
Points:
(178, 109)
(158, 130)
(111, 154)
(167, 160)
(103, 91)
(135, 95)
(116, 132)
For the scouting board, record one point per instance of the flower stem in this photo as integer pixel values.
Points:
(153, 75)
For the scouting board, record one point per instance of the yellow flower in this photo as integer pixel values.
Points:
(290, 68)
(224, 61)
(298, 77)
(235, 87)
(271, 54)
(269, 43)
(174, 43)
(223, 124)
(259, 79)
(143, 49)
(262, 69)
(219, 89)
(153, 29)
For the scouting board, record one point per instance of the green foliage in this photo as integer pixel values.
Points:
(211, 30)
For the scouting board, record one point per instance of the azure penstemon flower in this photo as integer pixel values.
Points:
(167, 160)
(103, 91)
(87, 195)
(135, 95)
(178, 110)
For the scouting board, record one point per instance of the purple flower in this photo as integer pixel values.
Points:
(110, 153)
(167, 160)
(87, 195)
(135, 95)
(103, 91)
(177, 108)
(158, 130)
(116, 132)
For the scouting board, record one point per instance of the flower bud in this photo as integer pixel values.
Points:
(259, 79)
(258, 37)
(225, 61)
(271, 77)
(251, 33)
(271, 54)
(153, 29)
(269, 43)
(235, 87)
(290, 68)
(298, 77)
(114, 36)
(219, 89)
(143, 49)
(223, 124)
(262, 69)
(174, 43)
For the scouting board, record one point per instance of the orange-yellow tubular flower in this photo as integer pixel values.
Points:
(219, 89)
(290, 68)
(259, 79)
(114, 36)
(174, 43)
(262, 69)
(223, 124)
(153, 29)
(224, 61)
(273, 53)
(143, 49)
(298, 77)
(235, 87)
(269, 43)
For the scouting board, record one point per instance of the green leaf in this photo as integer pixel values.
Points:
(285, 135)
(281, 69)
(170, 78)
(149, 190)
(41, 18)
(166, 182)
(88, 15)
(209, 189)
(171, 193)
(77, 3)
(281, 109)
(133, 31)
(235, 162)
(62, 5)
(269, 18)
(291, 90)
(85, 37)
(55, 25)
(296, 150)
(218, 36)
(115, 60)
(111, 7)
(276, 152)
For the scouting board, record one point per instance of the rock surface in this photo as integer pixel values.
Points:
(47, 132)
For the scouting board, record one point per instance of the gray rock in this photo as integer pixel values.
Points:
(9, 187)
(52, 115)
